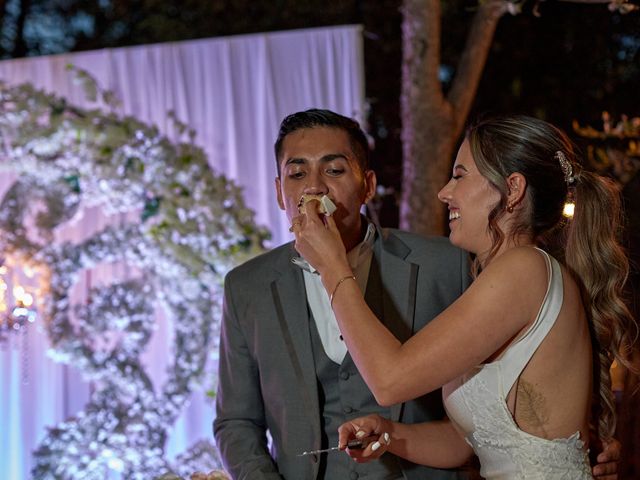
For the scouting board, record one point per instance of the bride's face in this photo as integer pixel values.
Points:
(470, 198)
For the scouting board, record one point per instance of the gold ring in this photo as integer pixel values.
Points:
(294, 224)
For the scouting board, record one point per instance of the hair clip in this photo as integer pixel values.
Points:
(565, 165)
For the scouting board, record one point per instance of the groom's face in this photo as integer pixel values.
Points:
(321, 161)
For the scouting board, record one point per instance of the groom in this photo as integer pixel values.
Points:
(286, 380)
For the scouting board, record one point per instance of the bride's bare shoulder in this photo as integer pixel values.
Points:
(517, 264)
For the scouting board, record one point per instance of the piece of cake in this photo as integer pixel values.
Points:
(325, 205)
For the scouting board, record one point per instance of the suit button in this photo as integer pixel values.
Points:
(344, 375)
(348, 409)
(354, 475)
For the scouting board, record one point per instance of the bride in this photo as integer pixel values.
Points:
(524, 354)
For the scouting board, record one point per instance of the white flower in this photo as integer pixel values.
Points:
(102, 163)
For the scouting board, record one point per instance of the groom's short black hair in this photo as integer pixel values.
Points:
(316, 117)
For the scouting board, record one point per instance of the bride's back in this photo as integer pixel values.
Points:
(552, 397)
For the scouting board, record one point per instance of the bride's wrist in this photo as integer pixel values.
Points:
(334, 283)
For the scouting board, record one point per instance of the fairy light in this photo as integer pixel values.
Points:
(27, 299)
(569, 209)
(17, 296)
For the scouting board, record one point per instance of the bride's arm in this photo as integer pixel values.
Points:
(499, 304)
(436, 444)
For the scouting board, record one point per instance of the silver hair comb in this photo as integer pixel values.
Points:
(567, 168)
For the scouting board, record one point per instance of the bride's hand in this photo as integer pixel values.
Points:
(318, 240)
(372, 428)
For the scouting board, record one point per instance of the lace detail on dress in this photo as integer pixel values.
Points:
(533, 457)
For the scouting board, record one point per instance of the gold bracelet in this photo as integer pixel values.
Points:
(352, 277)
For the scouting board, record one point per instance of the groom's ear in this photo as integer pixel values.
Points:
(278, 184)
(370, 183)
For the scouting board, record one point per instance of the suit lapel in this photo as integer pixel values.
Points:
(396, 290)
(399, 284)
(290, 298)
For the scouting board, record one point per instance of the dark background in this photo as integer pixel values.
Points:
(572, 62)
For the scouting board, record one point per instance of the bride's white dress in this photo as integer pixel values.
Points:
(476, 403)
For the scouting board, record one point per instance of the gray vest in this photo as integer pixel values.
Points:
(344, 396)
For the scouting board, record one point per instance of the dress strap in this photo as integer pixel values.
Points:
(517, 355)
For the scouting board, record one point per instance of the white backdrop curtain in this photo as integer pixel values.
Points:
(234, 92)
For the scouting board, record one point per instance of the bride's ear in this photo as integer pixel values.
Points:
(517, 186)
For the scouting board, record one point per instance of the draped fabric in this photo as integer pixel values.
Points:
(234, 92)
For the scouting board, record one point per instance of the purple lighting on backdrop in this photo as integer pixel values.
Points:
(233, 91)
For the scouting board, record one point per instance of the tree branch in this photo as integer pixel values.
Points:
(473, 59)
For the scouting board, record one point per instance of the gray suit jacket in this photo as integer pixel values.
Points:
(267, 379)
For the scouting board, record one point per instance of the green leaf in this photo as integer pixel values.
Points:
(151, 208)
(74, 183)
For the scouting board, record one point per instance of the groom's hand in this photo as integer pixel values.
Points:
(607, 466)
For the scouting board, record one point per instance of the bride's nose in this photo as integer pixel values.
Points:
(444, 195)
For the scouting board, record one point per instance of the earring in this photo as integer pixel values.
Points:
(510, 207)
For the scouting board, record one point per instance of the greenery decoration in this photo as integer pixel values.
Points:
(181, 227)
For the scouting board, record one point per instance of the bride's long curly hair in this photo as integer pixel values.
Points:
(588, 244)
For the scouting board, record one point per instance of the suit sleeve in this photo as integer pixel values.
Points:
(465, 270)
(240, 427)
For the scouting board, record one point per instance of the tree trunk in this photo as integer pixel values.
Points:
(431, 123)
(426, 120)
(19, 44)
